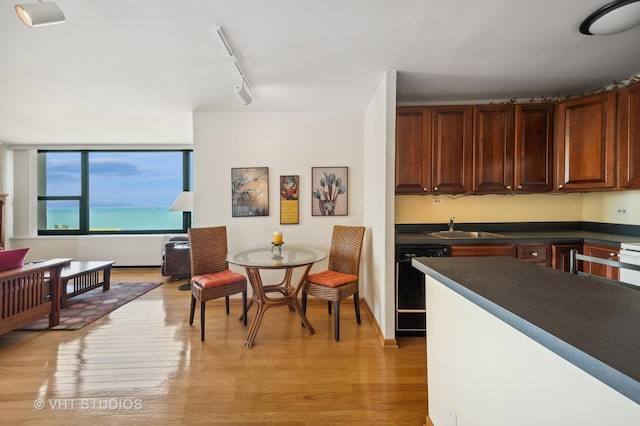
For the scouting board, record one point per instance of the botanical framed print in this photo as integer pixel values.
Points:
(289, 209)
(329, 191)
(250, 191)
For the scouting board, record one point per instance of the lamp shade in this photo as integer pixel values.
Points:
(613, 18)
(40, 14)
(183, 203)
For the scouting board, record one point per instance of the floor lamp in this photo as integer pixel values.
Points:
(184, 203)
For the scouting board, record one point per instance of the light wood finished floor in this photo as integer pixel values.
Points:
(144, 364)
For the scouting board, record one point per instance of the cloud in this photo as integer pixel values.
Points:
(113, 167)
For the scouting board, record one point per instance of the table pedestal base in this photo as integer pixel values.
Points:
(288, 297)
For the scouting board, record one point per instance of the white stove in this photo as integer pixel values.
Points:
(630, 253)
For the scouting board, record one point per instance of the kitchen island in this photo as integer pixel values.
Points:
(509, 342)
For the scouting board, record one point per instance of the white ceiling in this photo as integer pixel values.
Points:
(132, 71)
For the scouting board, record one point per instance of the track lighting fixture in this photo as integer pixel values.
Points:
(243, 90)
(613, 18)
(40, 14)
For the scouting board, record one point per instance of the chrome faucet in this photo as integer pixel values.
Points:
(451, 223)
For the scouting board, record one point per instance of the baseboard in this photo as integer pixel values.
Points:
(385, 343)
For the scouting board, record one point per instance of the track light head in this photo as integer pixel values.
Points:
(244, 93)
(40, 14)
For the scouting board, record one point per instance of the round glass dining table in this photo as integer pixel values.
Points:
(285, 257)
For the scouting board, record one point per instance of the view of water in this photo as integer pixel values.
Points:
(116, 218)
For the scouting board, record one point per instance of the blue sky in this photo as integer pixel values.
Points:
(118, 179)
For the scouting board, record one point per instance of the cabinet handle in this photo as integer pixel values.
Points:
(519, 187)
(613, 254)
(534, 253)
(435, 188)
(425, 189)
(508, 187)
(560, 186)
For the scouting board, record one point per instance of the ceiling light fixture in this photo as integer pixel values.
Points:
(242, 90)
(613, 18)
(40, 14)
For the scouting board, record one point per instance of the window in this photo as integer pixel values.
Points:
(86, 192)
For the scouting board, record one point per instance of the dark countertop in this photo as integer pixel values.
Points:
(591, 324)
(613, 240)
(524, 233)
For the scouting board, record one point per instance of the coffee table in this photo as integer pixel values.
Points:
(79, 277)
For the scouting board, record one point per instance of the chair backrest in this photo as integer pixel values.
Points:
(575, 260)
(208, 250)
(346, 246)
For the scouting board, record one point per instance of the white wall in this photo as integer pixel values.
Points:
(288, 144)
(379, 172)
(604, 207)
(488, 373)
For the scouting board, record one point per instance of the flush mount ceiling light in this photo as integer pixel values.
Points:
(40, 14)
(242, 90)
(613, 18)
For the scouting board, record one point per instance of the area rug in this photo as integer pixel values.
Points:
(87, 307)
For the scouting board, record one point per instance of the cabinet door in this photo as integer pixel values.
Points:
(560, 255)
(493, 148)
(483, 250)
(413, 150)
(604, 252)
(629, 114)
(533, 148)
(540, 254)
(452, 149)
(585, 143)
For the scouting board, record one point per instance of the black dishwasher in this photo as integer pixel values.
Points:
(410, 288)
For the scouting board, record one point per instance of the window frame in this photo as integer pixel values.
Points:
(83, 198)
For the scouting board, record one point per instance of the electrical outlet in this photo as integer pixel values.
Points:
(437, 201)
(623, 211)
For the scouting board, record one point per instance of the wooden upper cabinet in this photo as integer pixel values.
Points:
(533, 147)
(452, 149)
(629, 133)
(585, 143)
(513, 148)
(413, 150)
(493, 145)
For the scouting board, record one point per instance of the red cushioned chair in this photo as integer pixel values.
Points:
(341, 279)
(210, 274)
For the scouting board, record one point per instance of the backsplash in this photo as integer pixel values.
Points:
(590, 207)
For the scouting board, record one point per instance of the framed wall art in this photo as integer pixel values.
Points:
(250, 191)
(289, 209)
(329, 191)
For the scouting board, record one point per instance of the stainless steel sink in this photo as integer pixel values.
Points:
(464, 234)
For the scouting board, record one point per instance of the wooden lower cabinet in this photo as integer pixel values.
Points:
(483, 250)
(604, 252)
(560, 255)
(540, 254)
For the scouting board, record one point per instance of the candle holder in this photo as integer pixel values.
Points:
(276, 250)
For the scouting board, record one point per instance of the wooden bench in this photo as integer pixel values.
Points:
(79, 277)
(29, 293)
